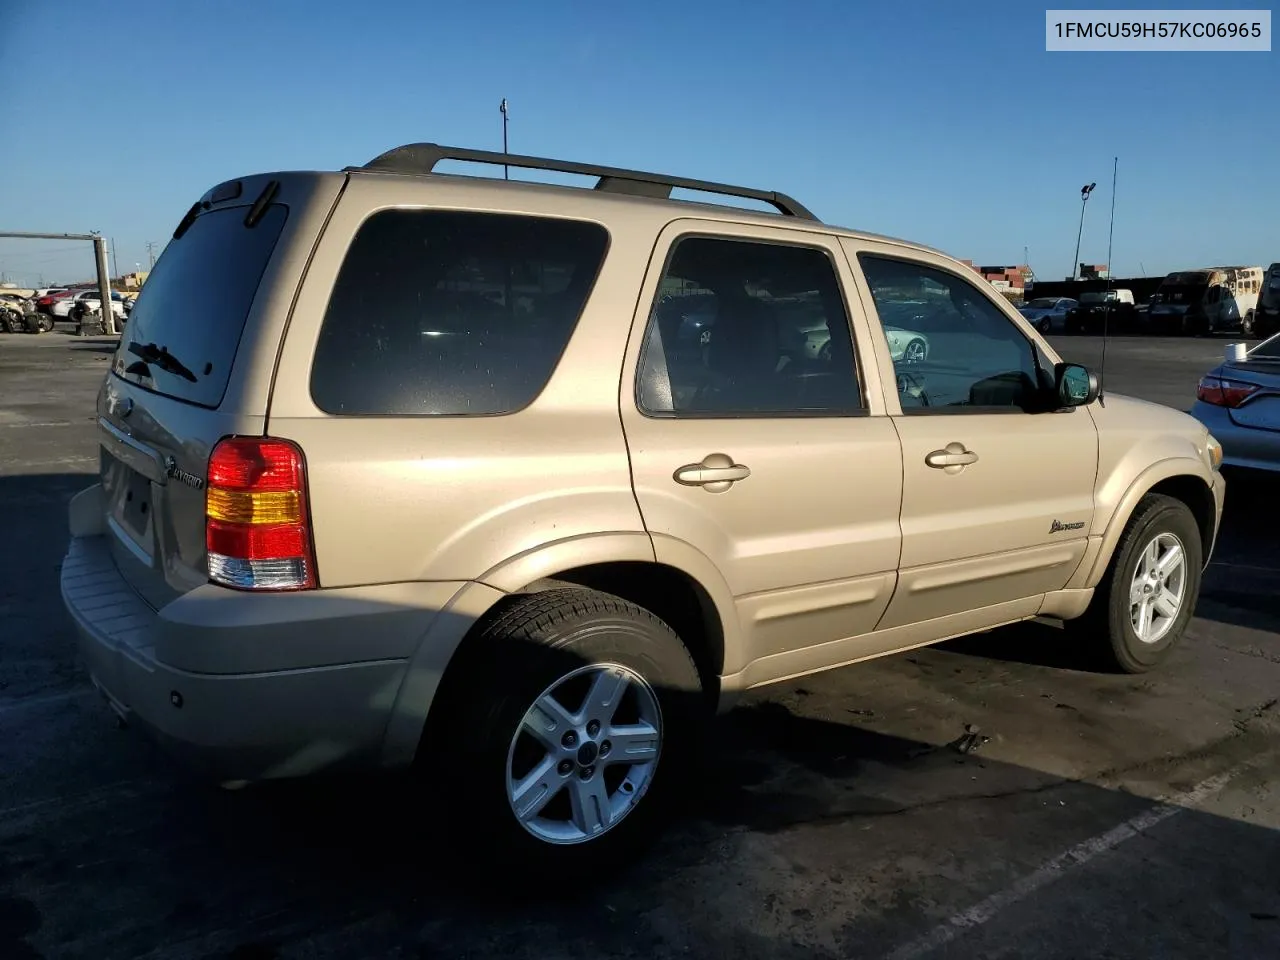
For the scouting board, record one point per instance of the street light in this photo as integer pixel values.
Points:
(1084, 198)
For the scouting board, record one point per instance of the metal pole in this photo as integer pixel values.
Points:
(1075, 261)
(115, 264)
(506, 174)
(1084, 198)
(104, 286)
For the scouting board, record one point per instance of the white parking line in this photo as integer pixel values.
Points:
(1052, 870)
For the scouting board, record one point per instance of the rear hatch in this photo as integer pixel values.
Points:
(193, 366)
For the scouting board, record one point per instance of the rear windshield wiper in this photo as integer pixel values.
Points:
(162, 358)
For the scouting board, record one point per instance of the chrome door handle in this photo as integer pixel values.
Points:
(716, 473)
(953, 458)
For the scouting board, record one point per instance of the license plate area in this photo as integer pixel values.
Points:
(128, 501)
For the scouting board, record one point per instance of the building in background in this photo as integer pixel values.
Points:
(1093, 271)
(1009, 280)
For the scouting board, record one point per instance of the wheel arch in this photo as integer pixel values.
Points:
(1183, 480)
(621, 564)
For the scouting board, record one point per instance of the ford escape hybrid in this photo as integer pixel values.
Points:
(402, 468)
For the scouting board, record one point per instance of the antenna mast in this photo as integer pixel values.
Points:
(1106, 313)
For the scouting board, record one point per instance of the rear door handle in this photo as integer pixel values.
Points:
(716, 473)
(953, 458)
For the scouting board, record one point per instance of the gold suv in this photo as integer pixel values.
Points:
(513, 484)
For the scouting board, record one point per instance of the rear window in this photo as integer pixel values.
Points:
(440, 312)
(195, 303)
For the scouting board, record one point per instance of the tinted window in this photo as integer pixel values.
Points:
(195, 303)
(742, 328)
(442, 312)
(952, 348)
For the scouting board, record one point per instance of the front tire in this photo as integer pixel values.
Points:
(575, 716)
(1148, 595)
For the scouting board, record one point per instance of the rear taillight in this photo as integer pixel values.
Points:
(1222, 392)
(257, 532)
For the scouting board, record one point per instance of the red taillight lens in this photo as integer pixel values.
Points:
(1222, 392)
(258, 465)
(256, 520)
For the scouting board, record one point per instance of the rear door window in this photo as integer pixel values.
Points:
(440, 312)
(194, 305)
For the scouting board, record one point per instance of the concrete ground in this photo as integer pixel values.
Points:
(1105, 816)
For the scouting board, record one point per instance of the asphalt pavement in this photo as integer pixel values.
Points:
(840, 815)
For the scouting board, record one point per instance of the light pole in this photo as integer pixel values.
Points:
(1084, 199)
(506, 175)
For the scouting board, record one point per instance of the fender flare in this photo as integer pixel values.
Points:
(548, 559)
(426, 669)
(1137, 489)
(693, 563)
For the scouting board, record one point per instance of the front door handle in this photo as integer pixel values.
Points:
(716, 473)
(953, 458)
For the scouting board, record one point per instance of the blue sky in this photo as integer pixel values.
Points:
(946, 123)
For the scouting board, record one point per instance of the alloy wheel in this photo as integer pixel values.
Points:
(584, 753)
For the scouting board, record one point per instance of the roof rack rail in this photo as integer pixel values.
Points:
(419, 158)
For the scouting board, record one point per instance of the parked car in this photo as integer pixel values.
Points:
(49, 302)
(45, 299)
(1110, 310)
(1239, 401)
(527, 542)
(13, 309)
(1266, 316)
(86, 301)
(18, 315)
(1048, 314)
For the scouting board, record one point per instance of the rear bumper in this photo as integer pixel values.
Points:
(250, 726)
(246, 686)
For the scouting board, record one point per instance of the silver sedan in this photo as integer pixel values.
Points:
(1239, 401)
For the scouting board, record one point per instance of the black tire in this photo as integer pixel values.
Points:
(532, 642)
(1106, 628)
(7, 322)
(1046, 325)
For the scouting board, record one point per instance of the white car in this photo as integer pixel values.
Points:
(906, 346)
(1048, 314)
(91, 300)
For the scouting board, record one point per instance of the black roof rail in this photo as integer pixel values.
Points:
(422, 158)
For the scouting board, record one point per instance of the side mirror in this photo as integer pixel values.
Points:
(1075, 385)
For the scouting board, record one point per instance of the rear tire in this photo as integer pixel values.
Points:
(1156, 568)
(487, 749)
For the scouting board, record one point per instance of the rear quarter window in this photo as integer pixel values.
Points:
(438, 313)
(195, 303)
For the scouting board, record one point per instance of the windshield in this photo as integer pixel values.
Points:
(1180, 293)
(194, 305)
(1044, 303)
